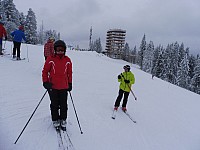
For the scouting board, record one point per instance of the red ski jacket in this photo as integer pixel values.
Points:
(2, 31)
(48, 48)
(57, 71)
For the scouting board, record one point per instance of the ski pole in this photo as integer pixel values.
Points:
(130, 88)
(4, 46)
(27, 52)
(30, 117)
(75, 113)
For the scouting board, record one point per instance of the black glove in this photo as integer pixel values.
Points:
(69, 87)
(126, 81)
(119, 77)
(47, 85)
(6, 38)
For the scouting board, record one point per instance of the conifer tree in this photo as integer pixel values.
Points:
(141, 51)
(12, 16)
(134, 55)
(158, 62)
(98, 46)
(182, 75)
(195, 82)
(22, 19)
(31, 27)
(148, 58)
(125, 52)
(2, 12)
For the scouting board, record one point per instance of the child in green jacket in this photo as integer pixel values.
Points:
(126, 80)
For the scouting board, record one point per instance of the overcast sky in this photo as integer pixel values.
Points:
(162, 21)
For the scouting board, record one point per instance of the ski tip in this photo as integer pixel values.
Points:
(113, 117)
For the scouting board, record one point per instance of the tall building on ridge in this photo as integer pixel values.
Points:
(115, 42)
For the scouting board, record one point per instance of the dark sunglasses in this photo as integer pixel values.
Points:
(60, 50)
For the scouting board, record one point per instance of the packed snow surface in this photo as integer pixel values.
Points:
(167, 116)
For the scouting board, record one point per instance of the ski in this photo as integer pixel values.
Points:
(14, 59)
(129, 116)
(114, 114)
(64, 141)
(60, 141)
(67, 140)
(4, 54)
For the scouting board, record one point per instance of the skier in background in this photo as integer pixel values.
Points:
(49, 48)
(57, 79)
(126, 80)
(2, 34)
(18, 36)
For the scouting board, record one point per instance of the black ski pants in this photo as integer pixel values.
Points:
(58, 104)
(17, 46)
(119, 98)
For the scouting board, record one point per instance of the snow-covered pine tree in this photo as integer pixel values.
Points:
(2, 13)
(134, 55)
(174, 47)
(148, 58)
(126, 51)
(182, 74)
(96, 45)
(181, 54)
(22, 19)
(142, 48)
(195, 82)
(158, 62)
(192, 64)
(156, 53)
(12, 16)
(31, 27)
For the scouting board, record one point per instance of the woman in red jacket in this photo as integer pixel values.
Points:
(2, 34)
(57, 79)
(49, 48)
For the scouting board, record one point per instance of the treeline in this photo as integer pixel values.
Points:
(173, 63)
(12, 19)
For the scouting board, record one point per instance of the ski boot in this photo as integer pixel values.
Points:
(115, 108)
(56, 124)
(18, 58)
(124, 109)
(63, 125)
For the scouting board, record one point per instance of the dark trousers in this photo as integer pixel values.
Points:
(119, 98)
(16, 47)
(58, 104)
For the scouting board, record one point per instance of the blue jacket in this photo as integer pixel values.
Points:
(18, 35)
